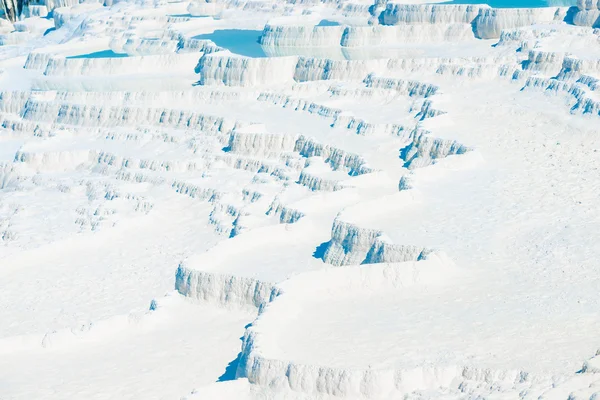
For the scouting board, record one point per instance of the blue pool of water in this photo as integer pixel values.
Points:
(242, 42)
(100, 54)
(326, 22)
(517, 3)
(246, 42)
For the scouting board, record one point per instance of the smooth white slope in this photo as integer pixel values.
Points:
(134, 182)
(130, 360)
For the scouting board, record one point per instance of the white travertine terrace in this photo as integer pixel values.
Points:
(299, 199)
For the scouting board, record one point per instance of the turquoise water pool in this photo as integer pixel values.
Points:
(237, 41)
(246, 42)
(100, 54)
(326, 22)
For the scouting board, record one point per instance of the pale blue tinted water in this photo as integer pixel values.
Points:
(326, 22)
(100, 54)
(517, 3)
(242, 42)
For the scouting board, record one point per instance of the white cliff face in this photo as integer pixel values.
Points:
(351, 383)
(301, 36)
(37, 60)
(587, 18)
(489, 23)
(54, 4)
(398, 14)
(134, 98)
(142, 47)
(205, 8)
(577, 91)
(588, 4)
(61, 66)
(222, 289)
(287, 215)
(300, 104)
(384, 252)
(317, 183)
(402, 86)
(547, 63)
(363, 36)
(55, 161)
(591, 82)
(259, 144)
(312, 69)
(349, 244)
(337, 158)
(425, 150)
(551, 85)
(380, 35)
(588, 106)
(592, 366)
(352, 245)
(587, 13)
(220, 69)
(61, 17)
(574, 67)
(218, 7)
(73, 114)
(190, 45)
(13, 102)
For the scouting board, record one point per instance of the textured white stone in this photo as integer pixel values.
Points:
(225, 290)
